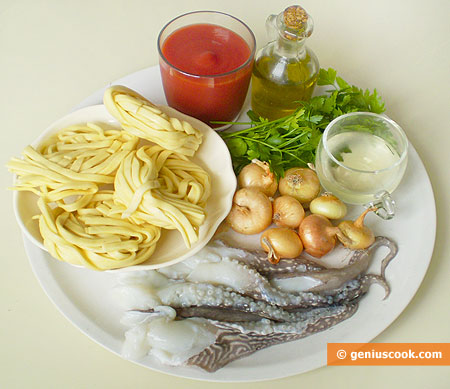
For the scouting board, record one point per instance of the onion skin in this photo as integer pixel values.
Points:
(329, 206)
(318, 235)
(258, 175)
(251, 212)
(354, 234)
(287, 212)
(300, 183)
(281, 243)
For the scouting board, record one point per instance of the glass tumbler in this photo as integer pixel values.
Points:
(206, 60)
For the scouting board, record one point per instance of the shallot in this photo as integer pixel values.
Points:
(258, 175)
(300, 183)
(318, 235)
(354, 234)
(287, 212)
(251, 212)
(329, 206)
(281, 243)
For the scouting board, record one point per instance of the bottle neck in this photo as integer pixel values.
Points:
(290, 48)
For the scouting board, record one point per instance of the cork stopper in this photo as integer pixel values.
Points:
(295, 17)
(296, 23)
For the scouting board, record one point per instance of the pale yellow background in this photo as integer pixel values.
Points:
(53, 54)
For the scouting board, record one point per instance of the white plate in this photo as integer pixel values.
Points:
(84, 296)
(212, 155)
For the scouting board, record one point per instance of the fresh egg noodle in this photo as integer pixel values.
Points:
(104, 200)
(143, 119)
(92, 238)
(185, 180)
(73, 162)
(163, 188)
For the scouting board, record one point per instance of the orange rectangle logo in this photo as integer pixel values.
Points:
(388, 354)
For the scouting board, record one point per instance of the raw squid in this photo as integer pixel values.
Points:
(225, 303)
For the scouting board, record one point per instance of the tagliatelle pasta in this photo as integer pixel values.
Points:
(184, 179)
(73, 162)
(161, 187)
(143, 119)
(93, 238)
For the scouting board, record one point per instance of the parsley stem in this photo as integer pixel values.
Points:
(232, 123)
(262, 124)
(294, 139)
(274, 148)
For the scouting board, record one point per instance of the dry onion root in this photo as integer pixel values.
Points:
(251, 212)
(354, 234)
(258, 175)
(287, 212)
(281, 243)
(300, 183)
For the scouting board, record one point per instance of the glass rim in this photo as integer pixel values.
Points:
(383, 117)
(245, 64)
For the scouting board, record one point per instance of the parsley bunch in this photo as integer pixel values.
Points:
(291, 141)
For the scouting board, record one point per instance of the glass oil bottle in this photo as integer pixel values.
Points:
(285, 70)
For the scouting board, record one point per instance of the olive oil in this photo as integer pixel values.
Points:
(274, 98)
(285, 70)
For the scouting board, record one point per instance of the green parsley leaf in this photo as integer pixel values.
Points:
(326, 77)
(237, 147)
(342, 83)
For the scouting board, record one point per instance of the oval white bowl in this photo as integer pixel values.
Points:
(212, 155)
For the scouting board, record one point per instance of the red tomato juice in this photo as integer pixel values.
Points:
(203, 73)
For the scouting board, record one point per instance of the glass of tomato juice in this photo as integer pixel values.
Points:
(206, 60)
